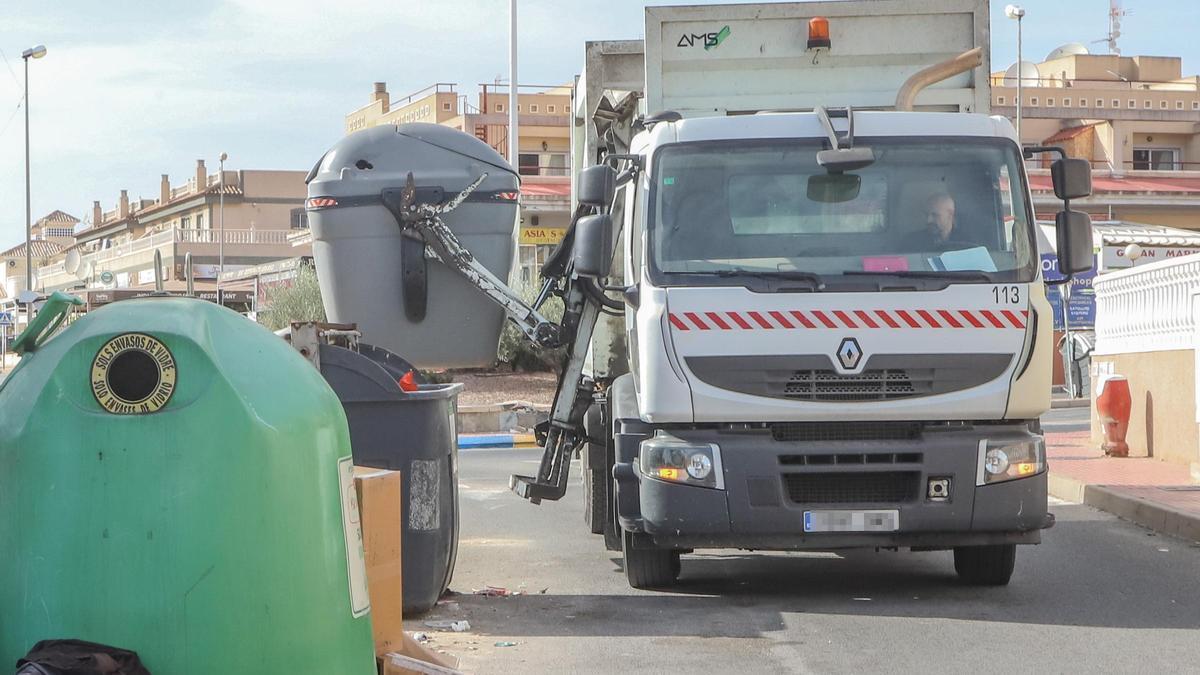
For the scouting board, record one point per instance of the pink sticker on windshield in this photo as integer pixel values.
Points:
(885, 263)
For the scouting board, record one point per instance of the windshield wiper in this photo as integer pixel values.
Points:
(977, 275)
(813, 278)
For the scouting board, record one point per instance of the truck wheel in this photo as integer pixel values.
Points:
(985, 565)
(647, 566)
(595, 502)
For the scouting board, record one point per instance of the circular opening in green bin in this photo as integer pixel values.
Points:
(133, 376)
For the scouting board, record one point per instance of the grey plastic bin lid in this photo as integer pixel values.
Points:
(373, 276)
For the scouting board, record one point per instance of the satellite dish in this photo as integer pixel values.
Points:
(71, 264)
(1030, 74)
(1069, 49)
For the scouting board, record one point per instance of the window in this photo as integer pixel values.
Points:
(527, 164)
(999, 100)
(1116, 103)
(1146, 105)
(446, 106)
(1132, 104)
(1066, 103)
(556, 164)
(1155, 159)
(1033, 101)
(533, 107)
(499, 107)
(1162, 104)
(1099, 103)
(299, 219)
(1195, 105)
(1049, 102)
(185, 222)
(518, 107)
(199, 221)
(1179, 105)
(550, 108)
(722, 210)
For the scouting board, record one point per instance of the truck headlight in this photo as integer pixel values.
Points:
(1000, 461)
(672, 459)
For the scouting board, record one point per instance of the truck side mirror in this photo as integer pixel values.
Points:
(1074, 241)
(597, 185)
(1072, 178)
(593, 245)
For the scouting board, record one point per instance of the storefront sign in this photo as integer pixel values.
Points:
(542, 235)
(1081, 305)
(1114, 256)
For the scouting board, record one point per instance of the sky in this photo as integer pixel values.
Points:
(130, 90)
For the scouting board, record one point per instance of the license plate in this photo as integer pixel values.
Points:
(852, 521)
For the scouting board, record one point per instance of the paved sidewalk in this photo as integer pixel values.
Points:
(1152, 493)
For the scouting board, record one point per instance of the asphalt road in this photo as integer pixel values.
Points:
(1099, 595)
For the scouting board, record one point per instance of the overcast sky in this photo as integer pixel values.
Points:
(130, 90)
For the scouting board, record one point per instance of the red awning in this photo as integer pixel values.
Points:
(546, 190)
(1128, 184)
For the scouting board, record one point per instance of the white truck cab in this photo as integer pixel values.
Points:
(835, 326)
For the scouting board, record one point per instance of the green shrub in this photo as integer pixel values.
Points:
(516, 350)
(297, 301)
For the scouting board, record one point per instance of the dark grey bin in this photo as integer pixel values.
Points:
(414, 433)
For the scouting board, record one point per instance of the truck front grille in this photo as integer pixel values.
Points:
(845, 431)
(869, 385)
(890, 487)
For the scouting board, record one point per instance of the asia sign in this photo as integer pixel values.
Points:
(542, 235)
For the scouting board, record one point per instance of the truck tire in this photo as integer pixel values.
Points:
(647, 566)
(595, 501)
(595, 482)
(612, 529)
(985, 565)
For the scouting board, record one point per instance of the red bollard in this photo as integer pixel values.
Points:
(1113, 404)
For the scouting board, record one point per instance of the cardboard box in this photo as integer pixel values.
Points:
(380, 499)
(413, 657)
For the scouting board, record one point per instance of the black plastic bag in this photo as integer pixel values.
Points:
(76, 657)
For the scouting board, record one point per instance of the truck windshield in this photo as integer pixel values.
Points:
(950, 210)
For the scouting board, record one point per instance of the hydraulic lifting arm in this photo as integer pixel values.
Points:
(565, 431)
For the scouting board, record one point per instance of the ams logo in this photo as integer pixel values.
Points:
(706, 40)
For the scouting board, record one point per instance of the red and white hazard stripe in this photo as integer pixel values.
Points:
(1002, 319)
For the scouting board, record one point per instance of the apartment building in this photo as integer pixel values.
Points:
(1135, 118)
(543, 161)
(114, 256)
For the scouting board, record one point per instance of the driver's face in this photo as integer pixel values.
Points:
(939, 217)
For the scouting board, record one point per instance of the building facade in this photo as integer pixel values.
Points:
(1135, 118)
(263, 210)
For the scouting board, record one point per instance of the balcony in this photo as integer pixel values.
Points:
(204, 245)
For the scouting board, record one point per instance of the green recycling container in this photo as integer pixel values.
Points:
(176, 480)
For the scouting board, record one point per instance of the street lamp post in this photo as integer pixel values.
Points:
(221, 212)
(513, 101)
(35, 53)
(1017, 12)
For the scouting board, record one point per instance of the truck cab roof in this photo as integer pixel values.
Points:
(806, 125)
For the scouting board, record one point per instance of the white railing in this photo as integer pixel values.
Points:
(174, 236)
(232, 236)
(1148, 308)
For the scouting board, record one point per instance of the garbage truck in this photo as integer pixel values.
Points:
(803, 303)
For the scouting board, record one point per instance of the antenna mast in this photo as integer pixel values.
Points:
(1114, 25)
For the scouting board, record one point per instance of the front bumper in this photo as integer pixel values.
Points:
(769, 484)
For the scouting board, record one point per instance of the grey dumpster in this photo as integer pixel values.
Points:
(373, 276)
(414, 433)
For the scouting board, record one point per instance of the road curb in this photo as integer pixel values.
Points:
(1070, 403)
(1144, 512)
(494, 441)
